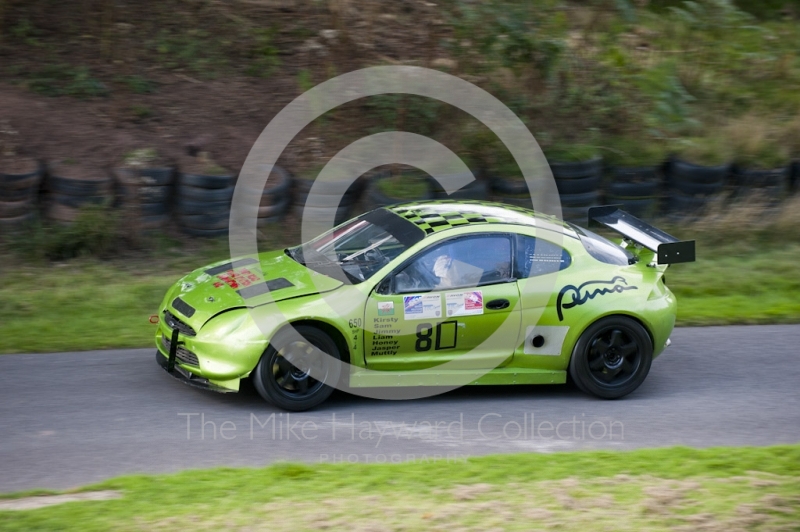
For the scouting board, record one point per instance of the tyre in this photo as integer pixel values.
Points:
(205, 195)
(773, 178)
(80, 187)
(612, 357)
(580, 200)
(206, 181)
(592, 167)
(297, 373)
(200, 207)
(580, 185)
(13, 209)
(683, 171)
(78, 201)
(19, 194)
(696, 189)
(635, 174)
(266, 211)
(623, 189)
(687, 204)
(144, 176)
(510, 187)
(24, 180)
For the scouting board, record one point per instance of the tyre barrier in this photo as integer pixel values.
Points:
(203, 203)
(275, 198)
(378, 198)
(692, 187)
(18, 195)
(67, 195)
(770, 184)
(145, 194)
(794, 176)
(578, 186)
(326, 194)
(637, 189)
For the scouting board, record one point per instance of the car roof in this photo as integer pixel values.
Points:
(436, 216)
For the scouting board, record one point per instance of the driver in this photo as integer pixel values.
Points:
(451, 273)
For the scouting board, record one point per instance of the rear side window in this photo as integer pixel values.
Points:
(536, 256)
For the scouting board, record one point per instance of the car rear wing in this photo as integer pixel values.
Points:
(668, 249)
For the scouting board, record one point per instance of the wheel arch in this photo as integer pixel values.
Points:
(615, 313)
(331, 330)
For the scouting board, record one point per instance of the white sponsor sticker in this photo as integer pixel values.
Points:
(549, 339)
(422, 307)
(464, 303)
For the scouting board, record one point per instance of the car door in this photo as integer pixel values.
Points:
(537, 265)
(456, 300)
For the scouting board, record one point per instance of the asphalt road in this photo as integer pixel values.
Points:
(70, 419)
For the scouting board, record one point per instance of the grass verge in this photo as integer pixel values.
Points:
(663, 489)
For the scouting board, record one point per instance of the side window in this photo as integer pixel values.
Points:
(536, 256)
(465, 262)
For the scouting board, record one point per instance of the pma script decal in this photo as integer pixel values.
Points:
(585, 292)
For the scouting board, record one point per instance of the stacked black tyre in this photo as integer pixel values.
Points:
(19, 192)
(203, 204)
(72, 188)
(275, 198)
(377, 196)
(794, 177)
(145, 194)
(578, 186)
(636, 189)
(331, 199)
(691, 187)
(771, 185)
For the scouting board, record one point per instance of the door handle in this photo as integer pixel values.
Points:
(497, 304)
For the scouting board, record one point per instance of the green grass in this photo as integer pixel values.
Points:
(662, 489)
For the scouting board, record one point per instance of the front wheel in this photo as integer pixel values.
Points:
(612, 357)
(298, 369)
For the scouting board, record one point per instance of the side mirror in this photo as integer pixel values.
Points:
(385, 287)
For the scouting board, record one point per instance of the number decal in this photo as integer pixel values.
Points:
(355, 323)
(424, 333)
(445, 337)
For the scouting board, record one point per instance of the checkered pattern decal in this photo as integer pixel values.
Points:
(435, 216)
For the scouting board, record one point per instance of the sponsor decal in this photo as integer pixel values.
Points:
(464, 303)
(589, 290)
(422, 307)
(385, 308)
(239, 278)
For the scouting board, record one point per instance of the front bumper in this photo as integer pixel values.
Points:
(187, 377)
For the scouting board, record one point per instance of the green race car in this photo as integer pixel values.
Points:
(429, 294)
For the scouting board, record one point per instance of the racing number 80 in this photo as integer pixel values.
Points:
(445, 337)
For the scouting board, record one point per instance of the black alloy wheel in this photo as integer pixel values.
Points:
(298, 370)
(612, 357)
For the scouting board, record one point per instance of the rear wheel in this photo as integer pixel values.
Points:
(612, 357)
(298, 368)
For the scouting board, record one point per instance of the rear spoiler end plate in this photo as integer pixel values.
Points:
(668, 249)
